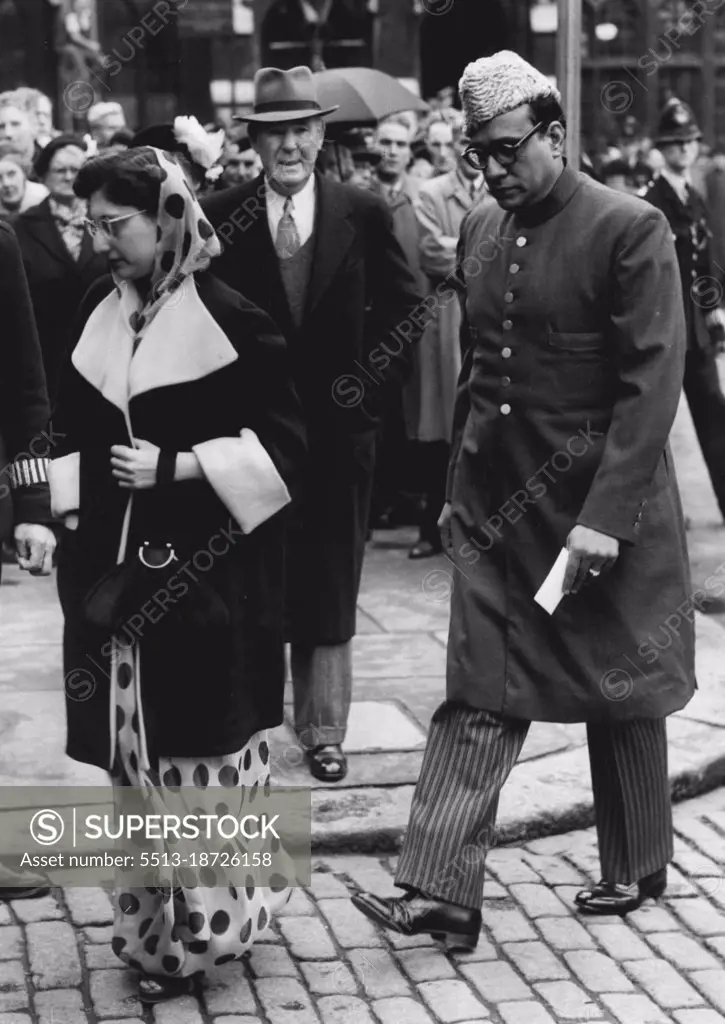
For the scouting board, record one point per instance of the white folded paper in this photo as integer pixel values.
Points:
(550, 592)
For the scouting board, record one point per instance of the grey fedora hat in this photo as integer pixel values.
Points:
(284, 96)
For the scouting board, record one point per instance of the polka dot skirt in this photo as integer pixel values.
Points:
(194, 925)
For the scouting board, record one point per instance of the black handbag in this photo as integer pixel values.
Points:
(121, 594)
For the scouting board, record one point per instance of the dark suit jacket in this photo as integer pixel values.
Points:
(57, 284)
(361, 290)
(354, 345)
(699, 275)
(23, 397)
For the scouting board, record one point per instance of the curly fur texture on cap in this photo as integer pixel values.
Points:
(495, 85)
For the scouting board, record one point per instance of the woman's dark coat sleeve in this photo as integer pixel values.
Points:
(24, 408)
(277, 417)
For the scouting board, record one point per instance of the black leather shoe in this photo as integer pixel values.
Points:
(153, 989)
(28, 892)
(413, 914)
(610, 898)
(327, 763)
(25, 884)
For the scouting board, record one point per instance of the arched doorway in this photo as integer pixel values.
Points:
(329, 33)
(448, 41)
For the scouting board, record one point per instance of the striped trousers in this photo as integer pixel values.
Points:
(469, 756)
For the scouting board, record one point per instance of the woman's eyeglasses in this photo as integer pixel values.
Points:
(503, 152)
(106, 226)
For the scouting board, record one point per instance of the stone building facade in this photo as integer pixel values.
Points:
(199, 56)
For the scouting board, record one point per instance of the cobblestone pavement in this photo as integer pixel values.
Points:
(323, 963)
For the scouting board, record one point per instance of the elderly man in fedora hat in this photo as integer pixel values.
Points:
(572, 369)
(677, 138)
(322, 259)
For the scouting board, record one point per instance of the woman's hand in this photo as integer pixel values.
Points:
(34, 547)
(135, 468)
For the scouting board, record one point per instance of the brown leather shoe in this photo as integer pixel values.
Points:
(413, 914)
(610, 898)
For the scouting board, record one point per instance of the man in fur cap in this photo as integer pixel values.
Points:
(574, 353)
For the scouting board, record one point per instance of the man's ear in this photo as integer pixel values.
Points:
(557, 137)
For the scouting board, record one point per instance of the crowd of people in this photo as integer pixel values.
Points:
(278, 340)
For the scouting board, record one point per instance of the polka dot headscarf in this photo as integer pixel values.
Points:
(186, 241)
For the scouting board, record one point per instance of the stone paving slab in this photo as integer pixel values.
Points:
(538, 961)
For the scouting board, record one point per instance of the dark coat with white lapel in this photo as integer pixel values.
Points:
(57, 284)
(345, 357)
(24, 409)
(204, 692)
(571, 378)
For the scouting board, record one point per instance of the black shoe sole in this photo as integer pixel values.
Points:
(454, 942)
(451, 940)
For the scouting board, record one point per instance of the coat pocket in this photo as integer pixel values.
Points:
(592, 341)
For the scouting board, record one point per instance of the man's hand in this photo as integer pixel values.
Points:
(34, 547)
(444, 525)
(135, 468)
(590, 553)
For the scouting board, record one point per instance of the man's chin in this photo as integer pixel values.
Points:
(510, 200)
(293, 177)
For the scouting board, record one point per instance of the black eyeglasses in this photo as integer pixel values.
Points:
(106, 226)
(503, 152)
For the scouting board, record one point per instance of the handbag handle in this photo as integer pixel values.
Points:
(171, 557)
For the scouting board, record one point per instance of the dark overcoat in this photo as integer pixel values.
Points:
(204, 693)
(699, 276)
(353, 345)
(574, 357)
(24, 431)
(57, 284)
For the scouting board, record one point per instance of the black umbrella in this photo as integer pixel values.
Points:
(364, 96)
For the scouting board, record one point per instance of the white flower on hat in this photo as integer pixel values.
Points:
(204, 147)
(495, 85)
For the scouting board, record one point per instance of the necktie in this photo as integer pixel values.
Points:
(288, 237)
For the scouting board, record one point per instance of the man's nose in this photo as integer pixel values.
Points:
(289, 141)
(101, 244)
(493, 170)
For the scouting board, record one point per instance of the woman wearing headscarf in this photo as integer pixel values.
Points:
(182, 438)
(58, 255)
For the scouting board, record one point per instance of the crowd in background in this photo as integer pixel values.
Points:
(401, 159)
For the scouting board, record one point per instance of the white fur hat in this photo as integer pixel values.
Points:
(495, 85)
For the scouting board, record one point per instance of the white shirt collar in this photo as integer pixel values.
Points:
(305, 195)
(303, 209)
